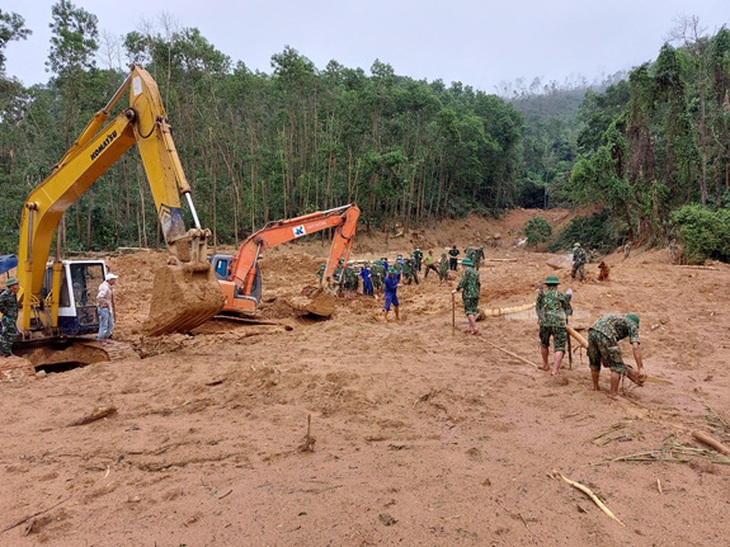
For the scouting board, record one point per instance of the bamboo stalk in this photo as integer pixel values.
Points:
(495, 346)
(575, 334)
(496, 312)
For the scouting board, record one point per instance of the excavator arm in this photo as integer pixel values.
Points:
(238, 287)
(98, 147)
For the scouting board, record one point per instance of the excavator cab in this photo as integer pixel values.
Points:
(80, 282)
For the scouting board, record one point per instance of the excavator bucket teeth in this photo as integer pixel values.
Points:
(315, 300)
(183, 297)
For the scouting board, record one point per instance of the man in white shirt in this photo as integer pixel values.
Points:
(105, 308)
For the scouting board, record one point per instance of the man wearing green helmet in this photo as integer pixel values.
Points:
(9, 311)
(579, 260)
(553, 308)
(603, 348)
(471, 285)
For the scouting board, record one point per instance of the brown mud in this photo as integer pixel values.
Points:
(420, 434)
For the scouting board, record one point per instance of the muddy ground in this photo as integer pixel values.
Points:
(420, 434)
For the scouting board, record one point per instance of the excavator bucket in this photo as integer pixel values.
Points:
(315, 300)
(183, 297)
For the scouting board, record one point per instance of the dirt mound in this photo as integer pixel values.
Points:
(421, 434)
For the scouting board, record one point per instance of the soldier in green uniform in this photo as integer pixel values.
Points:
(378, 274)
(471, 286)
(338, 278)
(417, 257)
(350, 281)
(443, 268)
(603, 348)
(410, 273)
(454, 258)
(673, 251)
(579, 261)
(553, 308)
(478, 257)
(627, 249)
(9, 311)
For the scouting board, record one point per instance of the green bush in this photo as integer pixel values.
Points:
(705, 233)
(594, 232)
(537, 231)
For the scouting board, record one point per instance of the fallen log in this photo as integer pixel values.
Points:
(709, 441)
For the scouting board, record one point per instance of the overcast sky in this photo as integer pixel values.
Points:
(480, 43)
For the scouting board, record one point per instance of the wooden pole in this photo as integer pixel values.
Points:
(570, 347)
(575, 334)
(495, 346)
(453, 311)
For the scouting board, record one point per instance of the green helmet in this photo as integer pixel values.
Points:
(576, 244)
(552, 280)
(633, 318)
(12, 281)
(467, 262)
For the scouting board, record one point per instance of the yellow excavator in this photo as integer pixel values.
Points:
(57, 297)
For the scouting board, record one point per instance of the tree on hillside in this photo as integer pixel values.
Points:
(12, 28)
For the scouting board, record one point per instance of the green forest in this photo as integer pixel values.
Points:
(650, 148)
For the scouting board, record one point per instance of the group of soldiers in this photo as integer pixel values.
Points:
(554, 308)
(346, 278)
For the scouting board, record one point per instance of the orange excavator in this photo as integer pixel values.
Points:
(239, 275)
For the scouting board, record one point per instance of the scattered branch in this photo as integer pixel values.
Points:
(594, 498)
(97, 414)
(26, 519)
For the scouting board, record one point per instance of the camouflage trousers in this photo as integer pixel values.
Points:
(8, 332)
(602, 349)
(559, 335)
(578, 268)
(470, 306)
